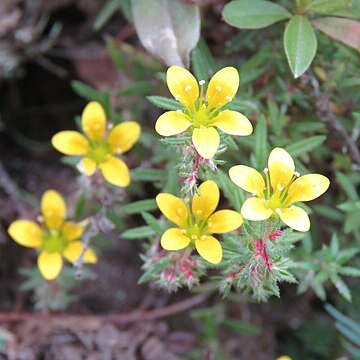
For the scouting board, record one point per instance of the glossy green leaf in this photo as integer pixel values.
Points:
(253, 14)
(300, 44)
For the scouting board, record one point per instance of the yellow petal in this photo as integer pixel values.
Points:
(72, 231)
(74, 250)
(308, 187)
(248, 179)
(205, 204)
(50, 265)
(209, 248)
(223, 86)
(93, 121)
(115, 171)
(295, 217)
(255, 209)
(233, 123)
(172, 123)
(281, 168)
(174, 239)
(182, 85)
(224, 221)
(206, 141)
(173, 208)
(123, 136)
(53, 209)
(87, 166)
(70, 143)
(26, 233)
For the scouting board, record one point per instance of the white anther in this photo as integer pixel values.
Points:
(278, 211)
(188, 87)
(254, 192)
(201, 82)
(39, 218)
(194, 237)
(228, 98)
(218, 88)
(177, 96)
(297, 174)
(279, 187)
(266, 170)
(110, 126)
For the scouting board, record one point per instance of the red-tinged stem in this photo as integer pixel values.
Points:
(260, 247)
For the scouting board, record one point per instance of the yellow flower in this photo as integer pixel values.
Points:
(99, 148)
(55, 238)
(200, 116)
(281, 188)
(196, 224)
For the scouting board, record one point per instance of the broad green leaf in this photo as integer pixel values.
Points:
(300, 44)
(140, 232)
(254, 14)
(168, 29)
(165, 103)
(344, 30)
(327, 6)
(139, 206)
(305, 145)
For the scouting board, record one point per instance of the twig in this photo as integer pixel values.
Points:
(122, 319)
(11, 190)
(326, 115)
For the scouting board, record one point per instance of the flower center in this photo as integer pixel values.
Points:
(194, 228)
(278, 198)
(53, 241)
(98, 152)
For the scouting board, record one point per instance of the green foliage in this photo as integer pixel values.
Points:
(258, 15)
(300, 44)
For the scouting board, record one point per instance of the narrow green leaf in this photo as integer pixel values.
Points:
(115, 53)
(350, 206)
(87, 91)
(349, 271)
(261, 152)
(140, 87)
(140, 232)
(107, 11)
(140, 206)
(203, 62)
(153, 223)
(347, 185)
(165, 103)
(300, 44)
(305, 145)
(341, 318)
(148, 174)
(254, 14)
